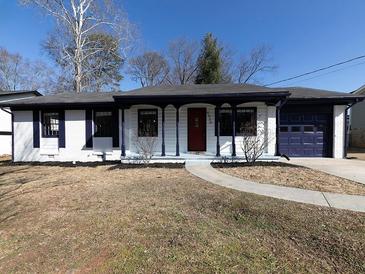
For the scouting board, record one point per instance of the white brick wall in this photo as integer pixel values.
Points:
(339, 131)
(75, 135)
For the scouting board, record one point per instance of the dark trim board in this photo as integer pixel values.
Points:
(6, 133)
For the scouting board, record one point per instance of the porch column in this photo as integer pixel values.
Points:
(217, 116)
(123, 133)
(177, 131)
(233, 130)
(163, 131)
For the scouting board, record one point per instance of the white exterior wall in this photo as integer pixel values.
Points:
(75, 135)
(339, 113)
(75, 141)
(271, 130)
(5, 126)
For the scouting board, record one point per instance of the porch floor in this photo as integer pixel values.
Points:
(192, 156)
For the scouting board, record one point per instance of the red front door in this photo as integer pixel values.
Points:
(197, 129)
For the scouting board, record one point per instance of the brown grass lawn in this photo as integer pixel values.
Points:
(292, 176)
(159, 220)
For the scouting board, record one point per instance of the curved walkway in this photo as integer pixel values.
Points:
(205, 171)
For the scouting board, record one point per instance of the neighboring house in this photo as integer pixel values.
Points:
(186, 121)
(5, 117)
(357, 131)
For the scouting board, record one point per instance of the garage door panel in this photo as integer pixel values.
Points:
(284, 140)
(308, 140)
(304, 135)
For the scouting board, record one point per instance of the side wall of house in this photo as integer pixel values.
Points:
(357, 138)
(5, 132)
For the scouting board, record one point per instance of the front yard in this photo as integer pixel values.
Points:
(158, 220)
(293, 176)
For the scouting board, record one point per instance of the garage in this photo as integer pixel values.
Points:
(306, 133)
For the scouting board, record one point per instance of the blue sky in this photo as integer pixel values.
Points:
(304, 34)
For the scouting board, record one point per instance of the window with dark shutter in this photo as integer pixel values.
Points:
(50, 124)
(147, 123)
(103, 124)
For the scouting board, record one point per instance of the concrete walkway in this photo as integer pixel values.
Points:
(349, 169)
(205, 171)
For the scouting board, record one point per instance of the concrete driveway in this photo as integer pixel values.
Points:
(349, 169)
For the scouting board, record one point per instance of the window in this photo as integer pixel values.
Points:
(147, 123)
(245, 121)
(225, 115)
(284, 129)
(295, 129)
(103, 124)
(308, 129)
(50, 124)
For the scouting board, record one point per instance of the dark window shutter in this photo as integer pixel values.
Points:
(62, 134)
(36, 138)
(89, 128)
(115, 118)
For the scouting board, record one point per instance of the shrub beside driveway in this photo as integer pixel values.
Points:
(107, 219)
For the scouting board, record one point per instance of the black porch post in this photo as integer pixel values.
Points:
(163, 131)
(177, 131)
(233, 130)
(217, 108)
(123, 133)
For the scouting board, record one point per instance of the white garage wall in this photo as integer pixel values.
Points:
(339, 118)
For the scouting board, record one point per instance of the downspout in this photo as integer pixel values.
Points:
(279, 105)
(12, 132)
(357, 100)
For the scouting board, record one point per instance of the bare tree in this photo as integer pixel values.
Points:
(254, 145)
(11, 72)
(257, 62)
(182, 54)
(149, 69)
(76, 20)
(227, 55)
(18, 73)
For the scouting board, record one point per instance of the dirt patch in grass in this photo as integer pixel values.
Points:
(293, 176)
(159, 220)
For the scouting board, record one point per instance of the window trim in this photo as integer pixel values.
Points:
(138, 119)
(42, 124)
(94, 124)
(237, 133)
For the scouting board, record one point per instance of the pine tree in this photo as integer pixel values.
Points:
(209, 62)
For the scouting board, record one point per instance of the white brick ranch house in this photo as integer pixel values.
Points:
(186, 121)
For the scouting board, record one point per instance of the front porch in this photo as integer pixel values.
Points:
(198, 128)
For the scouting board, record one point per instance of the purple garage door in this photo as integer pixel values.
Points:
(304, 135)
